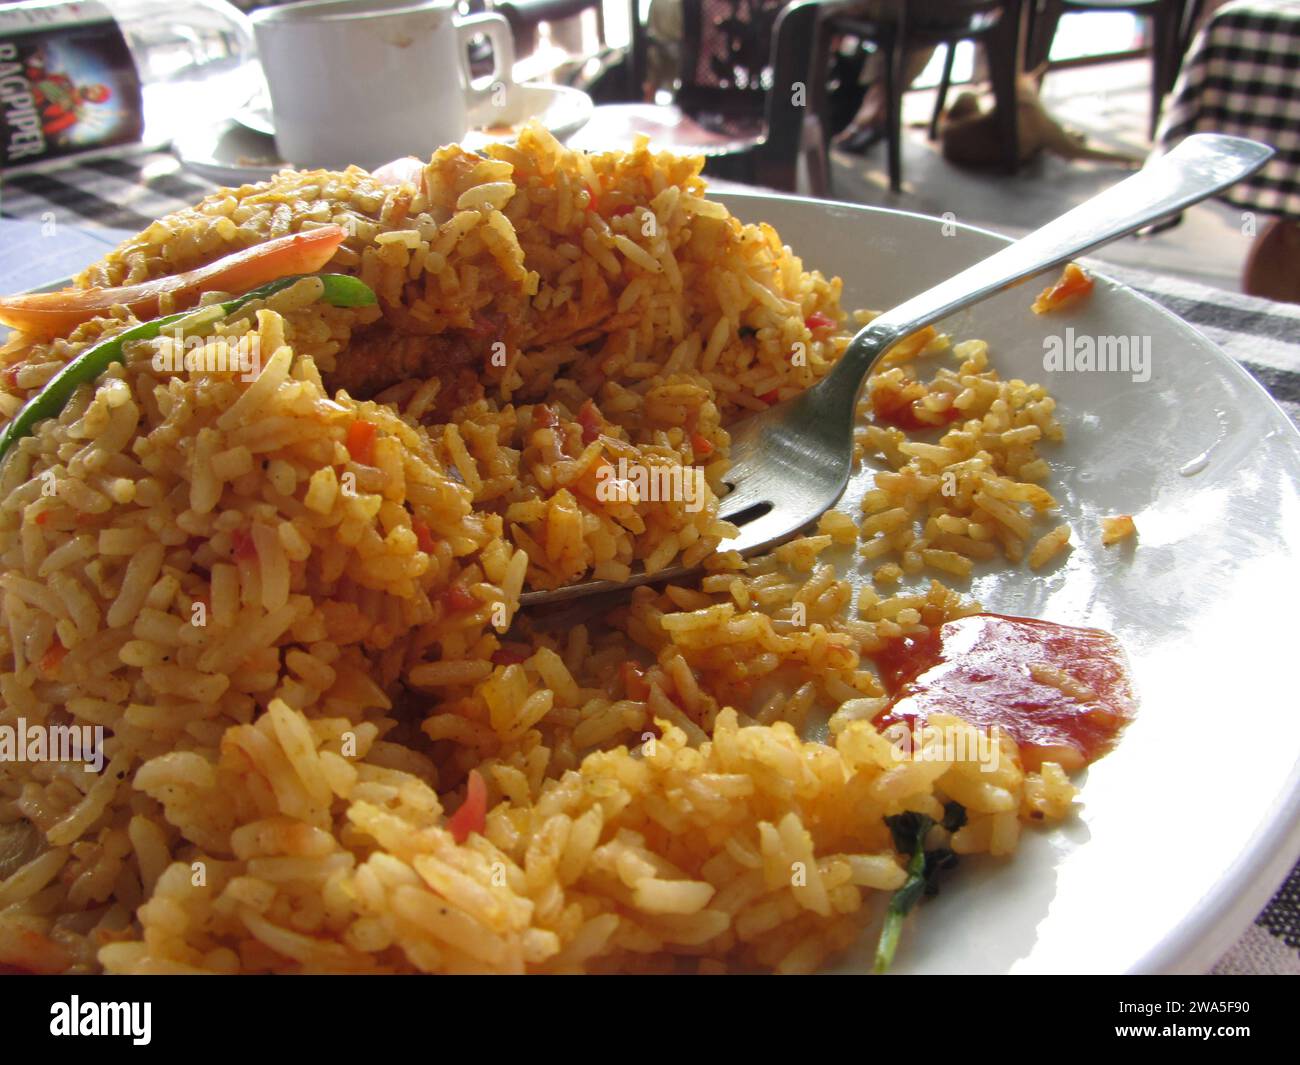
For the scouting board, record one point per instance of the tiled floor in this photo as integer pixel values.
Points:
(1110, 103)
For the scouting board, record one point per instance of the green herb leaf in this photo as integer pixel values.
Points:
(909, 830)
(937, 861)
(923, 867)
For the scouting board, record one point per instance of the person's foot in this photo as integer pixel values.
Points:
(858, 140)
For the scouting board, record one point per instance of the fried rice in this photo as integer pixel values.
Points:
(290, 599)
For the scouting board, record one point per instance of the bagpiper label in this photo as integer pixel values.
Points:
(67, 84)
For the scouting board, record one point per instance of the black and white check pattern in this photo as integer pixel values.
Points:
(1242, 76)
(119, 193)
(1263, 336)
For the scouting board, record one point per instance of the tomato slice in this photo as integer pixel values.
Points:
(472, 814)
(361, 441)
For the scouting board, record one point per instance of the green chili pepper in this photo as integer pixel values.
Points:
(340, 290)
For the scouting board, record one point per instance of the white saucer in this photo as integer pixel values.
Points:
(230, 154)
(243, 149)
(562, 110)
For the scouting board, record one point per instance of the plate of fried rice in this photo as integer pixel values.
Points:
(295, 453)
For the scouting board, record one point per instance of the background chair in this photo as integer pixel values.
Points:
(1169, 36)
(743, 99)
(902, 25)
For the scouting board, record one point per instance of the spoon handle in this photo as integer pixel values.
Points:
(1202, 165)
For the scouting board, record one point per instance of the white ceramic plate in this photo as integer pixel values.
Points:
(1186, 828)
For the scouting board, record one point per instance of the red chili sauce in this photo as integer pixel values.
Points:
(989, 670)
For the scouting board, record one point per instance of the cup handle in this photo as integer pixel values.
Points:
(495, 86)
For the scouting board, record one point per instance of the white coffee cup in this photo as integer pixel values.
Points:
(366, 81)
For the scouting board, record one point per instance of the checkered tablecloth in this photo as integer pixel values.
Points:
(85, 203)
(1241, 75)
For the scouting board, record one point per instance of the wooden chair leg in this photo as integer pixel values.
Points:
(944, 82)
(1187, 26)
(893, 54)
(818, 97)
(1001, 47)
(1164, 59)
(813, 150)
(772, 171)
(1160, 47)
(1046, 17)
